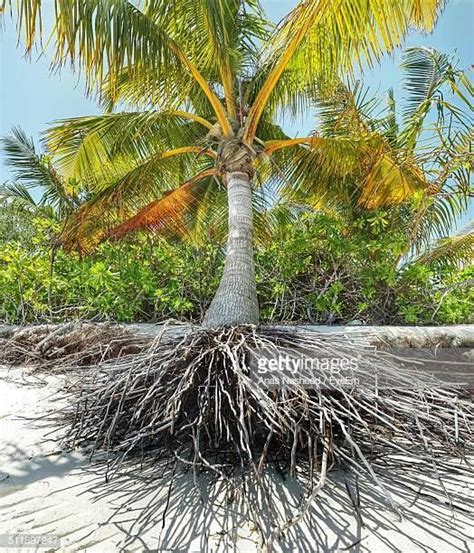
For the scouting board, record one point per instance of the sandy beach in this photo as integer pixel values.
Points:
(46, 492)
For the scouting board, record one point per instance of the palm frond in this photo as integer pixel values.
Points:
(344, 169)
(99, 148)
(103, 38)
(168, 212)
(271, 214)
(33, 170)
(21, 157)
(389, 183)
(447, 197)
(350, 110)
(221, 36)
(18, 195)
(320, 40)
(207, 220)
(436, 216)
(128, 192)
(427, 73)
(426, 70)
(318, 172)
(100, 37)
(455, 250)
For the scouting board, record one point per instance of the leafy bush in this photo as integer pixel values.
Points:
(317, 271)
(143, 280)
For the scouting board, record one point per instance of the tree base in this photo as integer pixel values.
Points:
(195, 401)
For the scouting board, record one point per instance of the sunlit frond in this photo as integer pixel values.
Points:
(431, 171)
(350, 110)
(320, 40)
(321, 170)
(103, 38)
(221, 36)
(97, 148)
(390, 183)
(168, 212)
(125, 195)
(272, 146)
(100, 37)
(222, 39)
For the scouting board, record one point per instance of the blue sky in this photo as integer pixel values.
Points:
(32, 97)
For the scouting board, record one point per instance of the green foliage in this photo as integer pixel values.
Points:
(436, 295)
(136, 281)
(317, 270)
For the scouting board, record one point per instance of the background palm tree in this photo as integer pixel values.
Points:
(35, 171)
(213, 76)
(431, 139)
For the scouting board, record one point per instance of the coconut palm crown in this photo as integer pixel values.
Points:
(431, 136)
(193, 91)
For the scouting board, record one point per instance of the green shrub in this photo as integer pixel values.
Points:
(317, 271)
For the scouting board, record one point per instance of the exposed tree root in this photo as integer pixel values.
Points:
(196, 400)
(69, 345)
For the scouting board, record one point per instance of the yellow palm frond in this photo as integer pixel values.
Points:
(320, 39)
(389, 183)
(103, 38)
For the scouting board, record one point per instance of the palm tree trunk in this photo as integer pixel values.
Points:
(236, 299)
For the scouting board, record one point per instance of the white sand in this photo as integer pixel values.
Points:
(62, 495)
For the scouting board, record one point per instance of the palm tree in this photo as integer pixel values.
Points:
(207, 80)
(32, 170)
(431, 138)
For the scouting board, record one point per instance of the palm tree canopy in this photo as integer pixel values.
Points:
(431, 139)
(203, 82)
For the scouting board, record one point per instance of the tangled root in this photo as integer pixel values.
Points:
(69, 345)
(195, 400)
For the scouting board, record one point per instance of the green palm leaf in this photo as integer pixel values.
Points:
(99, 147)
(454, 250)
(33, 170)
(17, 194)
